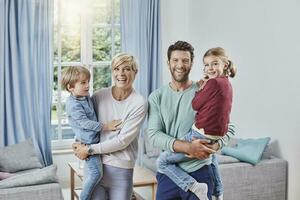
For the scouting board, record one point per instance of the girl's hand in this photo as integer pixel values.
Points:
(113, 125)
(203, 81)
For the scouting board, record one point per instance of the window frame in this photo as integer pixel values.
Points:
(86, 59)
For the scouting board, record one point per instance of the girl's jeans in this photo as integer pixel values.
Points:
(167, 164)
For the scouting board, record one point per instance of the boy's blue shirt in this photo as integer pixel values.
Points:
(83, 120)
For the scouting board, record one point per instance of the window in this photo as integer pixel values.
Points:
(85, 33)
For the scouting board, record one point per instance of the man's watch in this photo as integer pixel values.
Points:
(90, 149)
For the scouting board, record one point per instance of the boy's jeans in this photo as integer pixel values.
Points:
(92, 174)
(167, 161)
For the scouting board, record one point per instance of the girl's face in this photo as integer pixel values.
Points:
(123, 76)
(213, 66)
(81, 87)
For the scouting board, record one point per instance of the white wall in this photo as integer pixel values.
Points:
(263, 39)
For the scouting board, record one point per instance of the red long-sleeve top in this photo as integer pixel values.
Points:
(213, 105)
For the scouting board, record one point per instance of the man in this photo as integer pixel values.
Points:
(170, 118)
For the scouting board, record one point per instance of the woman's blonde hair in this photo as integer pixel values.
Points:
(122, 58)
(71, 75)
(219, 52)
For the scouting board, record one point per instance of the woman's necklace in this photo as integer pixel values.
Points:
(120, 94)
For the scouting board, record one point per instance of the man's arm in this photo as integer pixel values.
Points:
(226, 138)
(158, 138)
(195, 149)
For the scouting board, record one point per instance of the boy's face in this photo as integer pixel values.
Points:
(213, 66)
(81, 87)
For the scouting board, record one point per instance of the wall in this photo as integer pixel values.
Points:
(262, 37)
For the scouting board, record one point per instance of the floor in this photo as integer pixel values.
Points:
(145, 192)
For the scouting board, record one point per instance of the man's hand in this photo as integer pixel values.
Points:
(80, 150)
(199, 149)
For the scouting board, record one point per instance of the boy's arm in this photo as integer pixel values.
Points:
(129, 131)
(78, 114)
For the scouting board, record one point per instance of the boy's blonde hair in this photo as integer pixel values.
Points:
(71, 75)
(122, 58)
(220, 53)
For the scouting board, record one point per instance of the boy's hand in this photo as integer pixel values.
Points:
(113, 125)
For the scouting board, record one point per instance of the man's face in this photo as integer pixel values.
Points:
(180, 65)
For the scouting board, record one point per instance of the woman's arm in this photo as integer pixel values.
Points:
(129, 131)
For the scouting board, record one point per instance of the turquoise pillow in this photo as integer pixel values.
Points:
(248, 150)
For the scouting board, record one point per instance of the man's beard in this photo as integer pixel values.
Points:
(180, 79)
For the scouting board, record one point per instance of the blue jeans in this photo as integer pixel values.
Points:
(92, 175)
(168, 190)
(167, 164)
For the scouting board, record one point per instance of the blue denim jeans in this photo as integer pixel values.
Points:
(167, 164)
(92, 175)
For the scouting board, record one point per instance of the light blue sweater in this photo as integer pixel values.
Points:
(82, 119)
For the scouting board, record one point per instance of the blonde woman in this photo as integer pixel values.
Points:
(118, 149)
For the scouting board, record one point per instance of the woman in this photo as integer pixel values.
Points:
(118, 149)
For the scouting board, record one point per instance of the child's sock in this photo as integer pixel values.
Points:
(220, 197)
(200, 190)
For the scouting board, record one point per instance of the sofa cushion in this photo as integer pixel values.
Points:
(248, 150)
(40, 176)
(21, 156)
(223, 159)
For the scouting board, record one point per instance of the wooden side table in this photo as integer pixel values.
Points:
(75, 170)
(142, 177)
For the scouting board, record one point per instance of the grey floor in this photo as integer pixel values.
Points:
(145, 192)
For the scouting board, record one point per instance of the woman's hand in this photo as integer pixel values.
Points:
(113, 125)
(80, 150)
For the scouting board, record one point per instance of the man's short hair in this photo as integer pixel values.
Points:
(182, 46)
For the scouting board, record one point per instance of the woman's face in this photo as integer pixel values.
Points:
(123, 76)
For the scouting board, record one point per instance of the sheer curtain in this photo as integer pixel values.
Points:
(26, 73)
(140, 35)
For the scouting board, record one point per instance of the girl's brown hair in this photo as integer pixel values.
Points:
(230, 69)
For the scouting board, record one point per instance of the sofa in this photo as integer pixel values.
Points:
(22, 176)
(267, 180)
